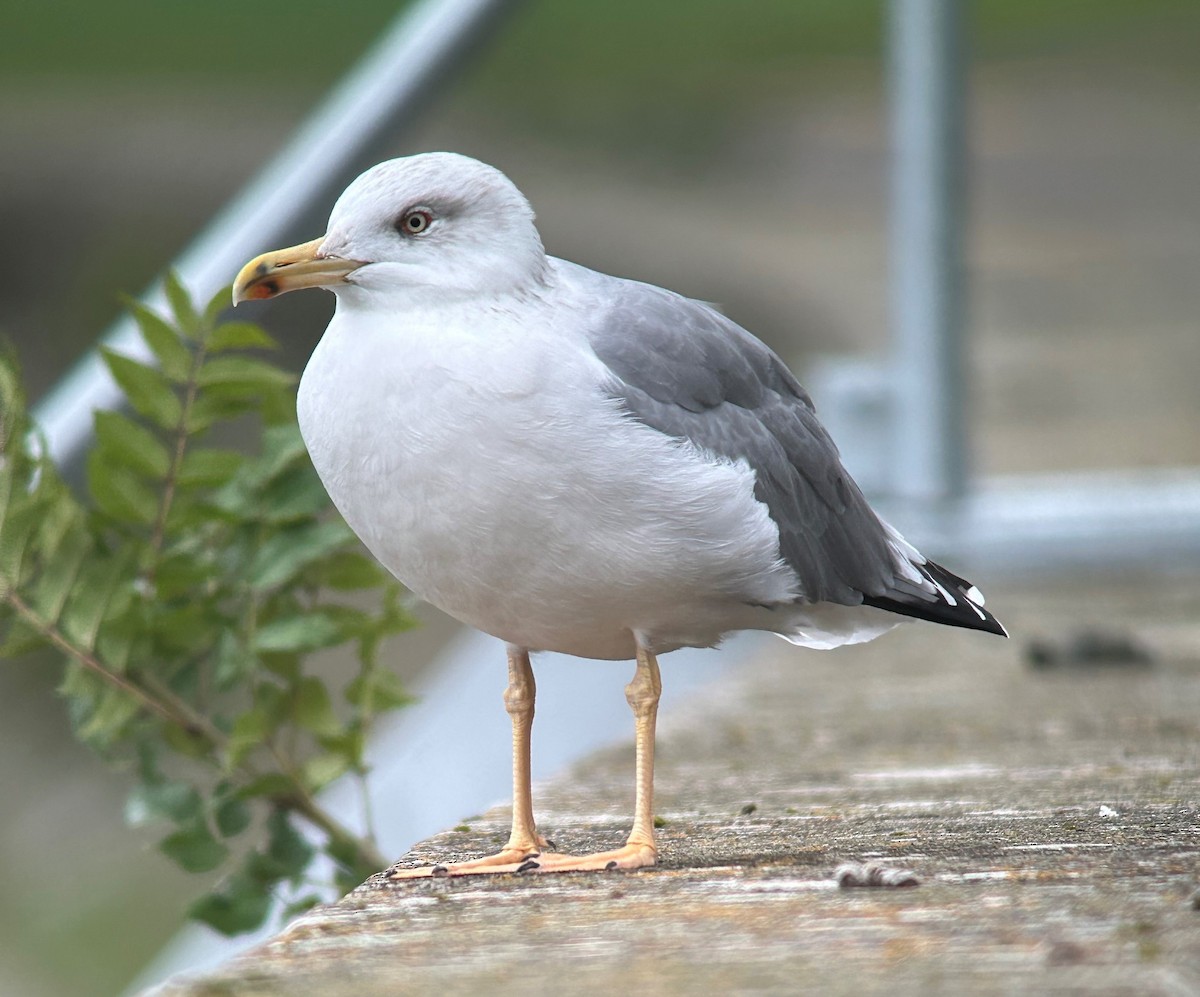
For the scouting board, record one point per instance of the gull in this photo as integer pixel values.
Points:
(575, 462)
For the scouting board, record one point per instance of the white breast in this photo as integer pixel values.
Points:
(495, 479)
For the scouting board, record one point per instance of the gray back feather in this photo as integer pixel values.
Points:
(682, 368)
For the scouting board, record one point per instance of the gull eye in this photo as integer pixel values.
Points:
(414, 222)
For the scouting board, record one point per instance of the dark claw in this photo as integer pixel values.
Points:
(439, 870)
(528, 864)
(551, 845)
(611, 865)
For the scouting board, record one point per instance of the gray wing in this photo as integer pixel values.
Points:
(682, 368)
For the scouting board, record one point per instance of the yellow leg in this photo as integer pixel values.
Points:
(639, 850)
(643, 694)
(525, 849)
(523, 841)
(518, 701)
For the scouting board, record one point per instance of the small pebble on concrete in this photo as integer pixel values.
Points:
(872, 874)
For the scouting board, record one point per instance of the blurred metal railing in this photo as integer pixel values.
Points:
(927, 84)
(388, 87)
(902, 420)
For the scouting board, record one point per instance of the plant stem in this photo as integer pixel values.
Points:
(367, 809)
(176, 712)
(165, 705)
(366, 850)
(181, 441)
(301, 801)
(195, 723)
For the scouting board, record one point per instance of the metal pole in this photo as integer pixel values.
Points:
(927, 91)
(394, 80)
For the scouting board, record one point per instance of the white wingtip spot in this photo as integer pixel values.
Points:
(946, 596)
(975, 596)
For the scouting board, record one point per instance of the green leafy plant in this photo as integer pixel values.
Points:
(186, 593)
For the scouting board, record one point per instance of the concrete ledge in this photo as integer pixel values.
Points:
(1052, 818)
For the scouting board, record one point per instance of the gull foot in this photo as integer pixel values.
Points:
(630, 856)
(512, 860)
(505, 860)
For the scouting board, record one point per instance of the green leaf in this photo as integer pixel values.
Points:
(27, 487)
(301, 906)
(244, 373)
(210, 408)
(206, 467)
(298, 633)
(249, 731)
(320, 770)
(242, 905)
(20, 638)
(283, 449)
(57, 579)
(114, 709)
(184, 573)
(119, 493)
(231, 817)
(352, 623)
(9, 463)
(376, 691)
(240, 336)
(194, 848)
(350, 744)
(12, 398)
(288, 552)
(174, 357)
(273, 701)
(285, 664)
(233, 662)
(123, 440)
(286, 847)
(181, 304)
(184, 629)
(147, 389)
(188, 744)
(351, 869)
(166, 800)
(115, 644)
(313, 710)
(220, 302)
(81, 691)
(252, 398)
(60, 512)
(78, 683)
(19, 527)
(271, 786)
(90, 597)
(296, 494)
(342, 852)
(350, 570)
(278, 407)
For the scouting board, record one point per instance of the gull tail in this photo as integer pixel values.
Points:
(954, 601)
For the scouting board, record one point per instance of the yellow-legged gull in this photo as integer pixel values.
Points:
(575, 462)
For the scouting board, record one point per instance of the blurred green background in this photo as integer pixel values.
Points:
(733, 150)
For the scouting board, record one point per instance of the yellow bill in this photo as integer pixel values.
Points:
(290, 269)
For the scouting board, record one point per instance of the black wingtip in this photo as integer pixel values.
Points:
(959, 603)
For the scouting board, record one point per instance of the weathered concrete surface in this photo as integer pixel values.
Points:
(1053, 818)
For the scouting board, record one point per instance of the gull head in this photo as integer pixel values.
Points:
(437, 223)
